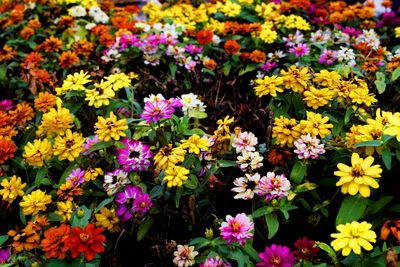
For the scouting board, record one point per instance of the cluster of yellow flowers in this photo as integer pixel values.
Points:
(292, 22)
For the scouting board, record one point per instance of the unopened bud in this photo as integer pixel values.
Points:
(35, 264)
(80, 213)
(209, 233)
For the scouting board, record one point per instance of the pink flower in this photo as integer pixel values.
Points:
(272, 186)
(76, 176)
(6, 104)
(245, 141)
(276, 256)
(215, 262)
(89, 142)
(184, 256)
(237, 229)
(190, 48)
(157, 111)
(308, 147)
(328, 56)
(300, 50)
(268, 65)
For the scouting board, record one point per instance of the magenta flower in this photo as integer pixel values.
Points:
(123, 112)
(124, 198)
(157, 111)
(328, 56)
(89, 142)
(276, 256)
(174, 102)
(6, 104)
(268, 65)
(308, 147)
(300, 50)
(215, 262)
(76, 176)
(5, 256)
(142, 204)
(190, 48)
(135, 157)
(272, 186)
(237, 229)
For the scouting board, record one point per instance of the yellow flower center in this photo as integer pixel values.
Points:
(357, 171)
(84, 237)
(236, 226)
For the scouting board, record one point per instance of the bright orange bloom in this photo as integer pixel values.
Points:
(303, 4)
(132, 9)
(390, 227)
(34, 24)
(27, 239)
(232, 47)
(66, 22)
(23, 113)
(41, 75)
(89, 241)
(204, 37)
(279, 156)
(7, 149)
(106, 39)
(51, 44)
(257, 56)
(7, 53)
(84, 47)
(5, 119)
(45, 101)
(68, 59)
(100, 29)
(107, 6)
(244, 56)
(387, 4)
(67, 191)
(32, 60)
(27, 32)
(54, 241)
(39, 222)
(210, 64)
(336, 17)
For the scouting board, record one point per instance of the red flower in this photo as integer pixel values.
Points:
(88, 241)
(306, 249)
(204, 37)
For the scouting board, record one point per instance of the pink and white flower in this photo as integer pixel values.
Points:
(237, 229)
(308, 147)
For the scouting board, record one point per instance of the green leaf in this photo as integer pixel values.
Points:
(378, 205)
(369, 143)
(305, 187)
(102, 204)
(298, 172)
(156, 191)
(325, 247)
(84, 220)
(395, 74)
(65, 174)
(3, 239)
(272, 224)
(198, 114)
(227, 67)
(247, 69)
(240, 258)
(22, 215)
(144, 228)
(99, 146)
(53, 217)
(178, 195)
(251, 252)
(56, 263)
(387, 157)
(298, 103)
(226, 163)
(380, 82)
(263, 211)
(173, 68)
(349, 111)
(40, 175)
(352, 209)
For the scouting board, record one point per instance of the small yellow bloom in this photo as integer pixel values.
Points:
(316, 125)
(35, 202)
(359, 176)
(316, 98)
(110, 128)
(74, 82)
(397, 32)
(268, 85)
(393, 125)
(68, 147)
(92, 173)
(56, 121)
(108, 220)
(175, 175)
(37, 152)
(167, 157)
(100, 95)
(195, 143)
(65, 210)
(352, 237)
(12, 188)
(296, 78)
(286, 131)
(119, 80)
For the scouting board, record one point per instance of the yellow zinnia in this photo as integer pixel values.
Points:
(316, 125)
(286, 131)
(352, 237)
(268, 85)
(108, 220)
(316, 98)
(168, 157)
(110, 128)
(37, 152)
(68, 147)
(295, 78)
(64, 209)
(195, 143)
(359, 176)
(12, 188)
(35, 202)
(393, 125)
(174, 176)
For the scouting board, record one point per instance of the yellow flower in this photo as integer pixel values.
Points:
(100, 95)
(92, 173)
(224, 124)
(119, 80)
(393, 126)
(359, 176)
(316, 125)
(195, 143)
(286, 131)
(37, 152)
(68, 147)
(110, 128)
(35, 202)
(107, 219)
(360, 94)
(74, 82)
(352, 237)
(167, 157)
(382, 117)
(268, 85)
(295, 78)
(316, 98)
(342, 89)
(65, 210)
(55, 122)
(327, 78)
(12, 188)
(175, 175)
(397, 32)
(372, 131)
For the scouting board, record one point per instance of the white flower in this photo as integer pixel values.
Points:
(77, 11)
(216, 40)
(94, 10)
(249, 161)
(346, 54)
(143, 26)
(158, 27)
(31, 5)
(154, 98)
(115, 180)
(101, 17)
(245, 141)
(90, 26)
(245, 186)
(190, 103)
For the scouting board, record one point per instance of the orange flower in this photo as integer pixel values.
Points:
(51, 44)
(54, 241)
(41, 75)
(32, 60)
(390, 227)
(349, 14)
(7, 53)
(66, 22)
(67, 191)
(34, 24)
(336, 17)
(27, 239)
(8, 131)
(7, 149)
(387, 4)
(5, 119)
(107, 5)
(369, 66)
(100, 29)
(132, 9)
(232, 47)
(303, 4)
(279, 156)
(89, 241)
(204, 37)
(68, 59)
(370, 4)
(337, 6)
(244, 56)
(120, 22)
(22, 113)
(321, 13)
(210, 64)
(106, 39)
(191, 33)
(84, 47)
(257, 56)
(368, 24)
(27, 32)
(39, 222)
(45, 101)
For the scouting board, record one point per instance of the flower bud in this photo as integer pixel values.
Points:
(80, 213)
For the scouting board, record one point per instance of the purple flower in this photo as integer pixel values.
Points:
(6, 104)
(76, 177)
(89, 143)
(308, 147)
(135, 157)
(300, 50)
(351, 31)
(5, 256)
(268, 65)
(215, 262)
(124, 199)
(142, 203)
(237, 229)
(157, 111)
(328, 56)
(272, 186)
(123, 112)
(148, 48)
(276, 256)
(190, 48)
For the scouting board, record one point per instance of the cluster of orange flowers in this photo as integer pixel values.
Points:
(256, 56)
(243, 28)
(371, 57)
(232, 47)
